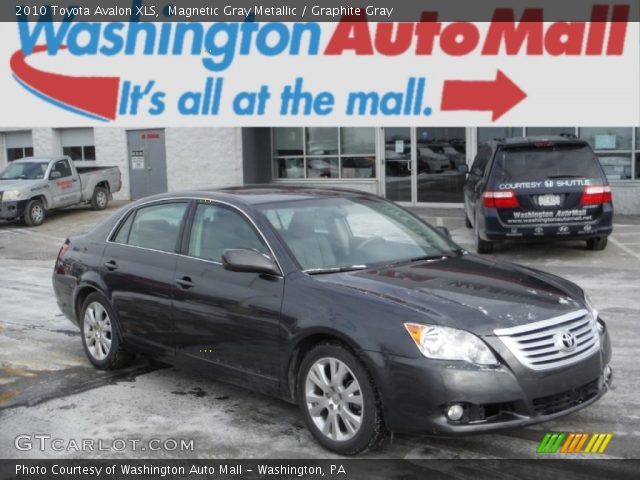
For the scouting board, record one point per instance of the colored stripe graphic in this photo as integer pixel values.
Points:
(94, 97)
(574, 442)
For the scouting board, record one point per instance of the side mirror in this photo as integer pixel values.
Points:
(464, 168)
(250, 261)
(445, 231)
(55, 174)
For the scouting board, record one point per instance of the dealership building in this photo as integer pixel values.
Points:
(411, 165)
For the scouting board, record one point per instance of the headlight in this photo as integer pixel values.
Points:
(444, 343)
(589, 303)
(11, 196)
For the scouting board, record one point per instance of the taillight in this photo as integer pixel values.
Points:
(506, 199)
(596, 195)
(61, 252)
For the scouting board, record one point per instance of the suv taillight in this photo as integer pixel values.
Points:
(596, 195)
(505, 199)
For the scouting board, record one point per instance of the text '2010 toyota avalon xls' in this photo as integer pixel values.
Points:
(367, 317)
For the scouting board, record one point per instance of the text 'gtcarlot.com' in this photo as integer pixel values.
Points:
(45, 443)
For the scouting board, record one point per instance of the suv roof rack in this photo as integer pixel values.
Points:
(568, 135)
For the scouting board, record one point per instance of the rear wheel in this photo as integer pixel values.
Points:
(338, 400)
(34, 213)
(100, 335)
(482, 246)
(598, 243)
(100, 198)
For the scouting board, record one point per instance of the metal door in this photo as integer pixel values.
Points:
(147, 162)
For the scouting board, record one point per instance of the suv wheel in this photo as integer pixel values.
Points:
(100, 198)
(467, 222)
(100, 335)
(338, 400)
(34, 213)
(598, 243)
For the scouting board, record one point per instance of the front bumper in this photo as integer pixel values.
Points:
(11, 210)
(416, 392)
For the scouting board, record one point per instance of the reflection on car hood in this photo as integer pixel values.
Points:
(467, 292)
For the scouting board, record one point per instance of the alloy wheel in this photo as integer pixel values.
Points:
(334, 399)
(97, 331)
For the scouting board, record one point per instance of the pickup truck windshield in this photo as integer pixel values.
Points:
(337, 234)
(534, 163)
(24, 171)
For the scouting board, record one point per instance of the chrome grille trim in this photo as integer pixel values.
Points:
(535, 347)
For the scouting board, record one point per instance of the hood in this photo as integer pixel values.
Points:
(467, 292)
(6, 185)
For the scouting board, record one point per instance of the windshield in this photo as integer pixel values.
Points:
(533, 162)
(24, 171)
(351, 233)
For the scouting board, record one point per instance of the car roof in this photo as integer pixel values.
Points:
(262, 194)
(516, 141)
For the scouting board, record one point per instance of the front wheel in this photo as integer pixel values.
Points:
(598, 243)
(338, 400)
(100, 198)
(34, 213)
(100, 335)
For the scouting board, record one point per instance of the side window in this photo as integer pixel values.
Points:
(217, 228)
(63, 168)
(481, 161)
(123, 232)
(157, 226)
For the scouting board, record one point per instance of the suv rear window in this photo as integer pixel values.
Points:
(532, 162)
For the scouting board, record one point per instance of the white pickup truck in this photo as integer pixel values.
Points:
(30, 187)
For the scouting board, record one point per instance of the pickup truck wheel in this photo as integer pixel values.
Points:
(338, 400)
(34, 213)
(598, 243)
(100, 198)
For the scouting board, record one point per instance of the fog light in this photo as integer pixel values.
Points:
(455, 412)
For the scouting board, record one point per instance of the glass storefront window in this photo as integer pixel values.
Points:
(441, 152)
(359, 167)
(322, 167)
(324, 152)
(617, 166)
(322, 141)
(287, 141)
(604, 138)
(550, 131)
(489, 133)
(357, 140)
(290, 167)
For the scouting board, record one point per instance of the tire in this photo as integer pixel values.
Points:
(101, 337)
(317, 380)
(100, 198)
(483, 247)
(598, 243)
(34, 213)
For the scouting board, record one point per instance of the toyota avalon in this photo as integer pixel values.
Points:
(350, 306)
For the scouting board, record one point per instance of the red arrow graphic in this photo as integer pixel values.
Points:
(92, 95)
(498, 96)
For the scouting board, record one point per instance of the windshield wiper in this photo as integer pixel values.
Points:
(319, 271)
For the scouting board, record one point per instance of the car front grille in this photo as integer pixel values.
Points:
(553, 343)
(562, 401)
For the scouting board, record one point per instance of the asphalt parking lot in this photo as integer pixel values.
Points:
(48, 387)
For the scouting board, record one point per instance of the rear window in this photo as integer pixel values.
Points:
(531, 162)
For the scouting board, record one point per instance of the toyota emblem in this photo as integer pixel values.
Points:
(566, 341)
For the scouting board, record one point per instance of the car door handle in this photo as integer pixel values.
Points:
(185, 282)
(111, 265)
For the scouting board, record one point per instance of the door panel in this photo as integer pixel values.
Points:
(65, 189)
(228, 318)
